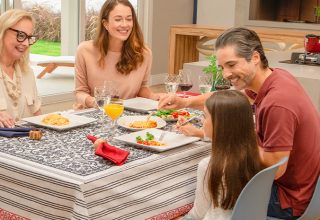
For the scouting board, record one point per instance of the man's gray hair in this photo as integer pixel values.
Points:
(246, 41)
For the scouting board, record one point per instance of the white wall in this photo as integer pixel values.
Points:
(216, 12)
(166, 13)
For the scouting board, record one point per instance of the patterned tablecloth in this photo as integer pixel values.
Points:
(60, 178)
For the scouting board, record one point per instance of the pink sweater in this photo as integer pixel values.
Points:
(89, 74)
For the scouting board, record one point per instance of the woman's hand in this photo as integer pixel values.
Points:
(188, 129)
(6, 121)
(90, 102)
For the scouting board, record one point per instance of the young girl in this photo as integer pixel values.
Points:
(234, 158)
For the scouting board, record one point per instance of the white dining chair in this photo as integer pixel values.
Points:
(252, 203)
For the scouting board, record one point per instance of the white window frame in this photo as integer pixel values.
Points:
(145, 13)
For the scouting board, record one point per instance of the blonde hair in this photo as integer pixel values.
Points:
(9, 19)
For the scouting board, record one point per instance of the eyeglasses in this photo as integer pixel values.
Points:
(22, 36)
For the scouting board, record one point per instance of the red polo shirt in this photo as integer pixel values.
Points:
(286, 120)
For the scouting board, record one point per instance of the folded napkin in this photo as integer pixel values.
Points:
(14, 132)
(112, 153)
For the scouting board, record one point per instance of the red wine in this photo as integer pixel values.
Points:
(222, 87)
(185, 86)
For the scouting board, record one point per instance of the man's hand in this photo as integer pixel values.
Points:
(172, 101)
(6, 121)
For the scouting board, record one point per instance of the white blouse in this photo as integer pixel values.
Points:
(203, 207)
(29, 101)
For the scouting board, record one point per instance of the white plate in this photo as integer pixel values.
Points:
(75, 121)
(171, 139)
(140, 104)
(124, 121)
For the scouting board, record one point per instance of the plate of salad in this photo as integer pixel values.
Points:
(150, 139)
(172, 115)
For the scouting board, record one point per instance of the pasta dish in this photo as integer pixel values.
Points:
(143, 124)
(55, 119)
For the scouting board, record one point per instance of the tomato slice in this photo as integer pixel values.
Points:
(184, 113)
(175, 114)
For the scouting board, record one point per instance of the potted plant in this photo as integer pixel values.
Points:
(213, 69)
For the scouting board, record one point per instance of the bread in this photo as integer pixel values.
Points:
(35, 134)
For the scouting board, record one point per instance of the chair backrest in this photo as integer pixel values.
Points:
(252, 203)
(313, 210)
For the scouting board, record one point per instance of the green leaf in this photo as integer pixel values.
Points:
(139, 138)
(212, 68)
(149, 136)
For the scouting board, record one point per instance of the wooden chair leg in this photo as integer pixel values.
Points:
(48, 69)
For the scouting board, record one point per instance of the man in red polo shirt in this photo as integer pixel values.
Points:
(287, 123)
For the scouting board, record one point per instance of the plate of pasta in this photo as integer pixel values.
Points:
(140, 122)
(59, 121)
(150, 139)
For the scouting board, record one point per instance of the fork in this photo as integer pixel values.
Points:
(190, 119)
(162, 135)
(148, 117)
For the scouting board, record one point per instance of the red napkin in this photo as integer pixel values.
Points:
(112, 153)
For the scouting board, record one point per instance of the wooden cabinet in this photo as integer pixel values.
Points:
(183, 40)
(283, 10)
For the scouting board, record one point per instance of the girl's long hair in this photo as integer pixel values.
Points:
(9, 19)
(133, 47)
(235, 156)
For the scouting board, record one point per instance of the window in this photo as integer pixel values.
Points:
(62, 25)
(48, 25)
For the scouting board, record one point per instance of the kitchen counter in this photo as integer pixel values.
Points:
(307, 75)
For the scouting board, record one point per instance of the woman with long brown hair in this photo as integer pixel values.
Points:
(117, 54)
(234, 158)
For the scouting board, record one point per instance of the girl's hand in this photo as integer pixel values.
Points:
(6, 121)
(188, 129)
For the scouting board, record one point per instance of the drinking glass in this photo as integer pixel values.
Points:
(114, 110)
(102, 96)
(205, 83)
(171, 83)
(185, 81)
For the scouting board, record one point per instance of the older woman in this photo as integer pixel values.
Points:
(117, 54)
(18, 93)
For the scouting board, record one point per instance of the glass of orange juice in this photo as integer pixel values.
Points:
(114, 110)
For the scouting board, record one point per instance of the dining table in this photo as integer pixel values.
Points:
(59, 177)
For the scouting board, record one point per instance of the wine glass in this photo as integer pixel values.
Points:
(185, 81)
(222, 84)
(205, 83)
(102, 97)
(171, 83)
(114, 110)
